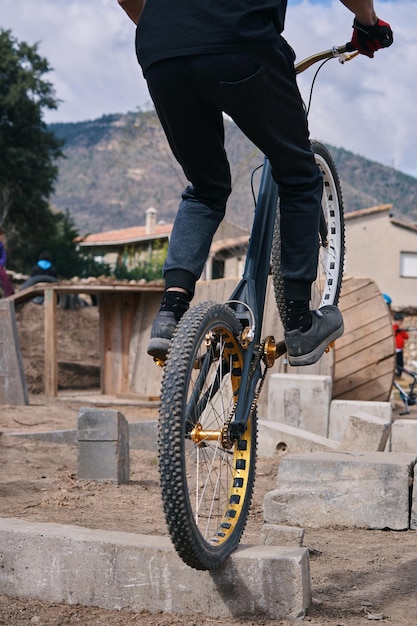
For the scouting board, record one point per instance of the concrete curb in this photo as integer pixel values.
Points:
(59, 563)
(142, 436)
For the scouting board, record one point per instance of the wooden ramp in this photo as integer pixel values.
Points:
(362, 363)
(365, 355)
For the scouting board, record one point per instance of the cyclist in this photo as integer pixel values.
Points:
(206, 57)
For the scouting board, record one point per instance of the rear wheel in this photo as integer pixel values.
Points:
(327, 286)
(206, 478)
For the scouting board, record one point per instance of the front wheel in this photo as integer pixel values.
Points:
(331, 236)
(206, 477)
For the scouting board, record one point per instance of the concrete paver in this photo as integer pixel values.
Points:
(109, 569)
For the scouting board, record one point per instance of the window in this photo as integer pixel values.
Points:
(408, 264)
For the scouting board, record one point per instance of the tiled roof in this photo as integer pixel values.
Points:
(379, 208)
(126, 235)
(406, 225)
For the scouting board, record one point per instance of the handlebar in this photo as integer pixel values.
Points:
(337, 52)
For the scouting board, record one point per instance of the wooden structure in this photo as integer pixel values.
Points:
(124, 310)
(362, 364)
(365, 355)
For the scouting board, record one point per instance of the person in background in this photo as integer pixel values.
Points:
(6, 286)
(401, 336)
(387, 300)
(203, 58)
(44, 266)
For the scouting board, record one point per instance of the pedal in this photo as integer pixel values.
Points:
(280, 349)
(331, 345)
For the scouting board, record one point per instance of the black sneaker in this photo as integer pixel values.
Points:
(163, 328)
(305, 348)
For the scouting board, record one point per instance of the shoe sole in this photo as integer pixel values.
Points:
(313, 356)
(158, 348)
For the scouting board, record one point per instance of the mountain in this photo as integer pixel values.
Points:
(118, 166)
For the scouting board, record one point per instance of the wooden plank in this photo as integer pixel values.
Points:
(50, 344)
(111, 343)
(364, 340)
(145, 375)
(353, 290)
(87, 288)
(366, 365)
(129, 307)
(384, 367)
(214, 290)
(361, 316)
(365, 355)
(362, 371)
(356, 291)
(359, 332)
(117, 314)
(373, 390)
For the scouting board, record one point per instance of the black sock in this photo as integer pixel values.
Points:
(298, 315)
(177, 302)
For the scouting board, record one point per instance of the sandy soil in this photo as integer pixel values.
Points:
(356, 575)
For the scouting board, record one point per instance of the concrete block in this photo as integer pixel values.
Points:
(276, 439)
(13, 389)
(277, 535)
(144, 435)
(103, 445)
(341, 410)
(68, 437)
(366, 432)
(300, 400)
(359, 490)
(413, 511)
(404, 436)
(144, 573)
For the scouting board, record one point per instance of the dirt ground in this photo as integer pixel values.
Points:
(357, 576)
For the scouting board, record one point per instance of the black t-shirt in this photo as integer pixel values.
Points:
(174, 28)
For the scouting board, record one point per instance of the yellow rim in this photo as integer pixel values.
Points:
(241, 457)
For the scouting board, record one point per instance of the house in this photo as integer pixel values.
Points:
(138, 244)
(130, 246)
(385, 249)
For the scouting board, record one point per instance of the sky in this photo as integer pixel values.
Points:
(367, 106)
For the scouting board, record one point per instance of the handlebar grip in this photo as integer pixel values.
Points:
(350, 47)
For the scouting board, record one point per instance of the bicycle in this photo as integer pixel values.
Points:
(215, 369)
(409, 398)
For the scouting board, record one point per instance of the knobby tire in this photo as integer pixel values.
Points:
(326, 289)
(206, 488)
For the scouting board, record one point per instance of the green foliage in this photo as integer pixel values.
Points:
(88, 266)
(149, 268)
(28, 149)
(144, 270)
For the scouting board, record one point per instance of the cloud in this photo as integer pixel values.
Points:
(90, 46)
(367, 106)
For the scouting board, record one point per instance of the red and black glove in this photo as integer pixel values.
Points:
(369, 39)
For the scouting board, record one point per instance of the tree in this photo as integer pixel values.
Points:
(28, 150)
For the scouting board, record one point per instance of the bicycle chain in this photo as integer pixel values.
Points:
(226, 440)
